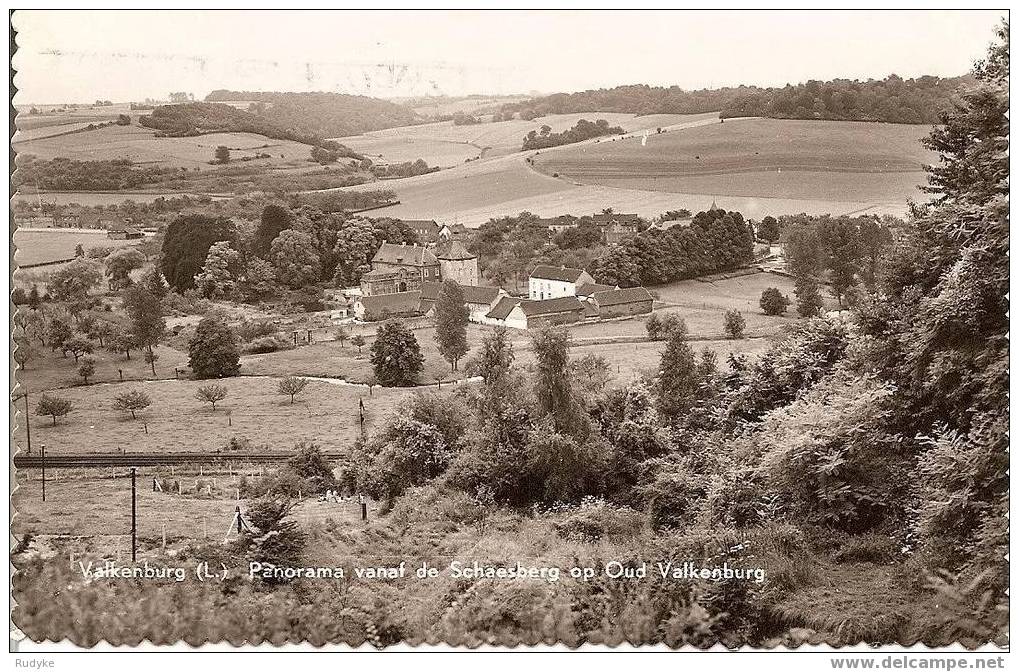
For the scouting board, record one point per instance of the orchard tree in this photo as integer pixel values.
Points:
(87, 368)
(396, 356)
(734, 324)
(292, 386)
(451, 318)
(210, 394)
(358, 341)
(146, 313)
(213, 351)
(78, 345)
(120, 264)
(151, 357)
(294, 256)
(132, 401)
(341, 335)
(121, 341)
(73, 282)
(773, 302)
(53, 406)
(58, 332)
(100, 330)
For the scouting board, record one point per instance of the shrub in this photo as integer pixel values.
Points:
(266, 344)
(774, 302)
(734, 324)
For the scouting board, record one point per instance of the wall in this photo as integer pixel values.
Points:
(623, 309)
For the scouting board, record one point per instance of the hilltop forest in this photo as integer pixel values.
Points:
(892, 100)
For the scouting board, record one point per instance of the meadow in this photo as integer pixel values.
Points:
(37, 246)
(141, 145)
(253, 411)
(883, 163)
(497, 138)
(826, 160)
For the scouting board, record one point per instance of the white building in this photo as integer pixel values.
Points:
(552, 282)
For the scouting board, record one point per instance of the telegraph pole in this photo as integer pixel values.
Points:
(44, 472)
(28, 425)
(134, 519)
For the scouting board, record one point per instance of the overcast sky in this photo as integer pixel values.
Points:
(69, 56)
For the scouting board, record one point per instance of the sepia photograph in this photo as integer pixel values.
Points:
(557, 330)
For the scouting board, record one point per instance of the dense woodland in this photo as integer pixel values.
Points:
(324, 115)
(69, 175)
(893, 100)
(188, 119)
(715, 241)
(582, 130)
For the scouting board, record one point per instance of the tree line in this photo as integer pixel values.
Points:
(582, 130)
(715, 241)
(322, 114)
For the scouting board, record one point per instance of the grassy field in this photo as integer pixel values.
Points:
(187, 516)
(141, 145)
(40, 246)
(47, 370)
(830, 160)
(495, 186)
(498, 138)
(177, 422)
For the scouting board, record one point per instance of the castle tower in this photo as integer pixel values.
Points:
(458, 264)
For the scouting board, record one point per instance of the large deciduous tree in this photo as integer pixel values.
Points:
(396, 356)
(213, 351)
(294, 256)
(186, 245)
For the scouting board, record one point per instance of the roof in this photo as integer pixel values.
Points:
(560, 273)
(564, 304)
(589, 288)
(472, 294)
(404, 255)
(422, 224)
(456, 252)
(503, 308)
(590, 309)
(401, 302)
(621, 296)
(615, 218)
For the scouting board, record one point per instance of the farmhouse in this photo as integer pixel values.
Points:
(616, 227)
(427, 230)
(623, 302)
(558, 224)
(479, 300)
(400, 268)
(552, 282)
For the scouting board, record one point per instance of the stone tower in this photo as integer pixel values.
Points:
(458, 264)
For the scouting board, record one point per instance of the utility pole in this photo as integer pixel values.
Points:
(28, 425)
(44, 472)
(134, 517)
